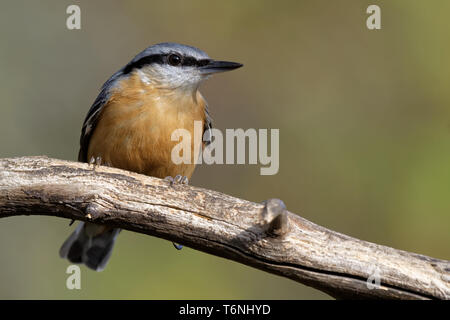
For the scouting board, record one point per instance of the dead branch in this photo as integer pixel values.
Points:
(265, 236)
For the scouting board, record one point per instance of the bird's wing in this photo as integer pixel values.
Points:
(92, 117)
(207, 128)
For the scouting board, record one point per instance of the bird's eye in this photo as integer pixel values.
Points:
(174, 59)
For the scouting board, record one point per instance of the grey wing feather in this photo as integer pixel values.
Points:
(93, 114)
(207, 127)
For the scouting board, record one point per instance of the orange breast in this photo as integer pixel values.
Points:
(135, 128)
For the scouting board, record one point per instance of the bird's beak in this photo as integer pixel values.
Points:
(219, 66)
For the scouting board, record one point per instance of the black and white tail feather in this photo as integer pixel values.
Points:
(86, 245)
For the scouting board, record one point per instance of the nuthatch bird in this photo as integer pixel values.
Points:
(129, 126)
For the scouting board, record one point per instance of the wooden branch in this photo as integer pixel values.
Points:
(265, 236)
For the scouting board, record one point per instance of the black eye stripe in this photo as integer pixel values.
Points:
(163, 59)
(189, 61)
(155, 58)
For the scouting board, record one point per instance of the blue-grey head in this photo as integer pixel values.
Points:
(176, 66)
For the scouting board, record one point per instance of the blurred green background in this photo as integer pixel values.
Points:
(364, 119)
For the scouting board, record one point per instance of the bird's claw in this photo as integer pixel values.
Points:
(95, 162)
(179, 179)
(177, 246)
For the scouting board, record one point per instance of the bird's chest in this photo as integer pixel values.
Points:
(140, 133)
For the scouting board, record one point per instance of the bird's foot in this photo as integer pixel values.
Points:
(177, 246)
(98, 161)
(95, 162)
(178, 179)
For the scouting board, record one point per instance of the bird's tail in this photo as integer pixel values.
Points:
(90, 244)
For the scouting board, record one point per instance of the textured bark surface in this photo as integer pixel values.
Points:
(265, 236)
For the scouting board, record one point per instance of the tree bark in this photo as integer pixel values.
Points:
(262, 235)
